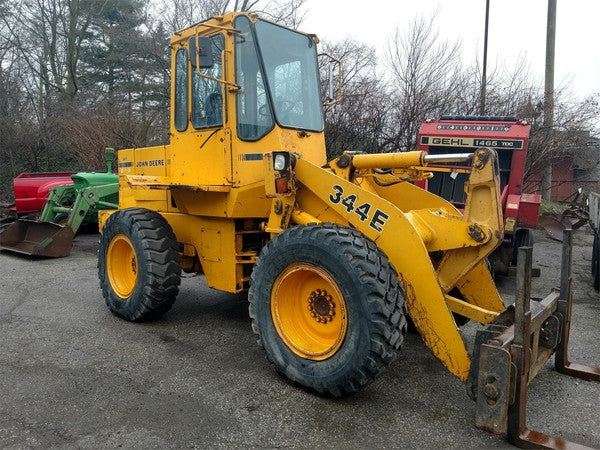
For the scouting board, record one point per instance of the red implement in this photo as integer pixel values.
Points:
(510, 138)
(31, 189)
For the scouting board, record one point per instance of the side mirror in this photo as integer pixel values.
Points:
(332, 62)
(201, 54)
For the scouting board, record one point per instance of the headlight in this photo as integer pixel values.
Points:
(279, 163)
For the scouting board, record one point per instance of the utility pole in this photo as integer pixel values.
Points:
(549, 97)
(484, 70)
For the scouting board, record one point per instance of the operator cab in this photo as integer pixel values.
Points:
(242, 86)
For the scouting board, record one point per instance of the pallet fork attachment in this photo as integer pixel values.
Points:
(510, 352)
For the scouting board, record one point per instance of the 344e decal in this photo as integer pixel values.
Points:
(376, 220)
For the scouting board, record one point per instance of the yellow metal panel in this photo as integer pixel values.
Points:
(281, 213)
(311, 202)
(473, 312)
(201, 203)
(149, 196)
(211, 245)
(247, 156)
(221, 274)
(214, 241)
(406, 196)
(166, 183)
(200, 157)
(478, 288)
(144, 162)
(103, 216)
(248, 201)
(442, 231)
(125, 162)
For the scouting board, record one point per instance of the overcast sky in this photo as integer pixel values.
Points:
(517, 27)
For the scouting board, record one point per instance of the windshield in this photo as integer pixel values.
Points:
(254, 117)
(290, 63)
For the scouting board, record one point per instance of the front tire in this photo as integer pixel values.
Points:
(138, 264)
(327, 307)
(61, 219)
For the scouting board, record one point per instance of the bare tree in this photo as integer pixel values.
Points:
(48, 36)
(574, 124)
(178, 14)
(286, 12)
(426, 74)
(511, 90)
(357, 122)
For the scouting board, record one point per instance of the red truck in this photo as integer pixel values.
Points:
(510, 138)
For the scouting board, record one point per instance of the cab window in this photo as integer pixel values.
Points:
(207, 95)
(181, 90)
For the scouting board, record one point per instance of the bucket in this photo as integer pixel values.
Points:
(33, 238)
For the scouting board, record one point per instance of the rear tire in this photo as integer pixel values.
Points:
(138, 264)
(327, 307)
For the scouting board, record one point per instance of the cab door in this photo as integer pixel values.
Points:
(200, 151)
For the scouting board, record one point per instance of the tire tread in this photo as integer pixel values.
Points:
(163, 264)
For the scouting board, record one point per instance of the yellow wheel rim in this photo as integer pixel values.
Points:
(309, 311)
(121, 265)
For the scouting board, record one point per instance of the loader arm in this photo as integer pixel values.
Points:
(407, 237)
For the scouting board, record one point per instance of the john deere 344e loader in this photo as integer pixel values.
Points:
(336, 255)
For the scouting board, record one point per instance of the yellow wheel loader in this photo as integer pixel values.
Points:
(336, 255)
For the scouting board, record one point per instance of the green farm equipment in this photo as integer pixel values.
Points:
(67, 208)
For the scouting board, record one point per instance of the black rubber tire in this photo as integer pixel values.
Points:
(596, 262)
(159, 271)
(60, 217)
(374, 300)
(523, 238)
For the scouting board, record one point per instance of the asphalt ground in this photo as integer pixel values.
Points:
(72, 375)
